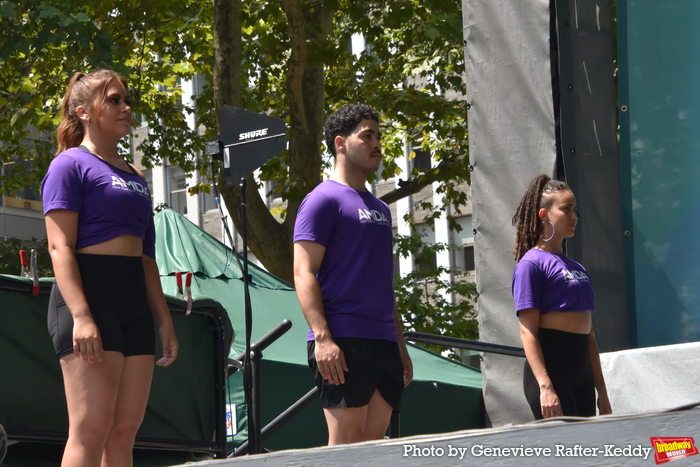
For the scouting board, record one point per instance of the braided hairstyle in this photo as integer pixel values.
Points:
(540, 194)
(83, 90)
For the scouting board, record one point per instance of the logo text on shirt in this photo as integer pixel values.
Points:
(373, 216)
(577, 276)
(120, 183)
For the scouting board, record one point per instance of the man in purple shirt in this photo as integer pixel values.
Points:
(343, 271)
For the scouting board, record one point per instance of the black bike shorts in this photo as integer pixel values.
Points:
(115, 289)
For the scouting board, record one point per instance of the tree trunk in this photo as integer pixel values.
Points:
(227, 55)
(269, 240)
(306, 95)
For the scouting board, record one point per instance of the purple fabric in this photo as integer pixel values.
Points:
(356, 274)
(550, 282)
(109, 201)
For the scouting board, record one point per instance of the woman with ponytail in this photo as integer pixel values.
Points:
(107, 292)
(554, 303)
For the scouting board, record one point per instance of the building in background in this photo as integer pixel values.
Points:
(22, 216)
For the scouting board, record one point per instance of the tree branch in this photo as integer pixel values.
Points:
(444, 171)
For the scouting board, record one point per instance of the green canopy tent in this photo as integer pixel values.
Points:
(185, 406)
(444, 395)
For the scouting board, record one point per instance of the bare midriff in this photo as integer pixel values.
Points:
(569, 321)
(123, 245)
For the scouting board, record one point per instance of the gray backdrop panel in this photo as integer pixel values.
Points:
(591, 162)
(511, 139)
(513, 134)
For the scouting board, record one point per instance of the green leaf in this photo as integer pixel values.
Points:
(18, 115)
(49, 11)
(26, 86)
(7, 10)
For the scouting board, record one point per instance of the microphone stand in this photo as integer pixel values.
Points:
(259, 138)
(251, 365)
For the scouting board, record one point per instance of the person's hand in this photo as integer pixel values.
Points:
(604, 406)
(331, 361)
(170, 345)
(407, 365)
(549, 402)
(87, 342)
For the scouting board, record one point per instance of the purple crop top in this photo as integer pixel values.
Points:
(550, 282)
(109, 201)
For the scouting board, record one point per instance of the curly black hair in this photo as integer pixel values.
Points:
(344, 120)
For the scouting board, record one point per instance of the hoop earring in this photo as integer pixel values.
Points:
(540, 235)
(88, 121)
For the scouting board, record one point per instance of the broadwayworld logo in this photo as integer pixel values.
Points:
(670, 449)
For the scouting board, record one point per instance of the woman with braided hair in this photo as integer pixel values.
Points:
(554, 303)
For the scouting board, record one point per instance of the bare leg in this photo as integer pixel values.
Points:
(91, 395)
(358, 423)
(378, 417)
(135, 385)
(345, 425)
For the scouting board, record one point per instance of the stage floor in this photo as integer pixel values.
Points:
(620, 440)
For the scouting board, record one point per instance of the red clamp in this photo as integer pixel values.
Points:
(24, 271)
(178, 279)
(185, 294)
(188, 289)
(35, 274)
(29, 269)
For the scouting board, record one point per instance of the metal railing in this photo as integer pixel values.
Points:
(465, 344)
(312, 395)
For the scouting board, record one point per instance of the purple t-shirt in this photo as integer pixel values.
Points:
(356, 274)
(109, 201)
(550, 282)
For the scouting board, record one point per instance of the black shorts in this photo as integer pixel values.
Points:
(567, 357)
(373, 364)
(115, 289)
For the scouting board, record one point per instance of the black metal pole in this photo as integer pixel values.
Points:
(269, 338)
(220, 384)
(255, 441)
(250, 387)
(281, 419)
(395, 425)
(446, 341)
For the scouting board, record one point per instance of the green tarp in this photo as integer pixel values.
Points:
(181, 410)
(444, 396)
